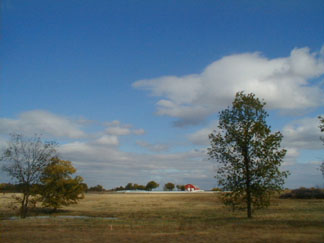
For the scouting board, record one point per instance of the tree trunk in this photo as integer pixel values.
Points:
(24, 206)
(248, 199)
(248, 183)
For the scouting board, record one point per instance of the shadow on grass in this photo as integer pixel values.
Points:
(37, 211)
(34, 212)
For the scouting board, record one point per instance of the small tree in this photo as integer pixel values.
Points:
(140, 187)
(129, 186)
(181, 187)
(169, 186)
(58, 187)
(25, 160)
(151, 185)
(97, 188)
(248, 155)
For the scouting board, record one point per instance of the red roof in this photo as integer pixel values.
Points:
(190, 186)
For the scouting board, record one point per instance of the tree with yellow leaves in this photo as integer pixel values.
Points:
(58, 188)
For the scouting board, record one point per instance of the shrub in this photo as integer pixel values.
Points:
(97, 188)
(216, 189)
(304, 193)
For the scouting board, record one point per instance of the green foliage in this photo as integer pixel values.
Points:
(129, 186)
(8, 187)
(216, 189)
(24, 161)
(120, 188)
(322, 138)
(248, 155)
(181, 187)
(151, 185)
(97, 188)
(304, 193)
(321, 123)
(168, 186)
(58, 187)
(139, 187)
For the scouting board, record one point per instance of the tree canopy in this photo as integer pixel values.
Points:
(58, 187)
(169, 186)
(24, 161)
(151, 185)
(248, 155)
(321, 126)
(181, 187)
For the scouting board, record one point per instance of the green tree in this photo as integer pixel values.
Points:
(151, 185)
(129, 186)
(58, 188)
(181, 187)
(322, 138)
(24, 161)
(169, 186)
(248, 155)
(97, 188)
(140, 187)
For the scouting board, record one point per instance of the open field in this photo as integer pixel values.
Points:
(167, 218)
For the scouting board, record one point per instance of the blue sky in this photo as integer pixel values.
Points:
(131, 89)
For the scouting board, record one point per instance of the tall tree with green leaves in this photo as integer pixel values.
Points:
(248, 155)
(58, 187)
(321, 126)
(25, 160)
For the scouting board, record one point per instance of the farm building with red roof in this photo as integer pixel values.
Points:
(191, 188)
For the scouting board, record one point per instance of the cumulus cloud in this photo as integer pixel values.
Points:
(153, 147)
(304, 175)
(52, 125)
(282, 82)
(107, 140)
(298, 135)
(103, 164)
(41, 122)
(200, 137)
(303, 134)
(118, 129)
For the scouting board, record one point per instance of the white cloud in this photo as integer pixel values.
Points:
(201, 137)
(118, 129)
(103, 164)
(153, 147)
(107, 140)
(304, 175)
(41, 122)
(99, 158)
(282, 82)
(303, 134)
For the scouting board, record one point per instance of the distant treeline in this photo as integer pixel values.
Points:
(304, 193)
(8, 187)
(130, 186)
(134, 186)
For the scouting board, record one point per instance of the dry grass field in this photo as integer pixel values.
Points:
(166, 218)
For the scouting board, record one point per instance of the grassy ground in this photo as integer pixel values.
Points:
(168, 218)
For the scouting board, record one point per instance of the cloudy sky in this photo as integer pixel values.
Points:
(131, 89)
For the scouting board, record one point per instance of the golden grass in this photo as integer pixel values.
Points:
(168, 218)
